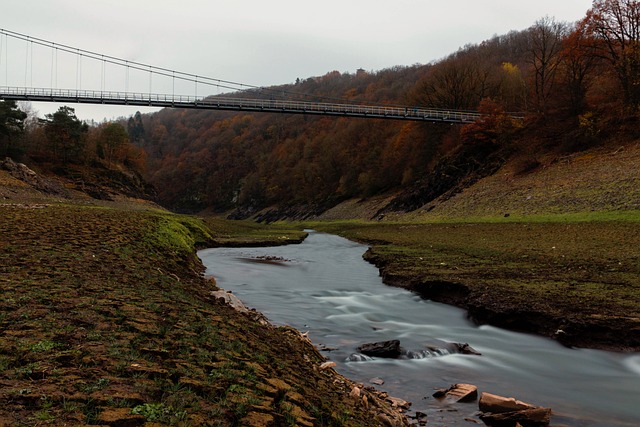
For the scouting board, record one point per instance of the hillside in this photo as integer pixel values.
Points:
(106, 319)
(603, 179)
(565, 79)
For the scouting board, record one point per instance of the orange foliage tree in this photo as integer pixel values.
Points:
(616, 25)
(493, 127)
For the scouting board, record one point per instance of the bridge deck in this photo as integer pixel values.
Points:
(237, 104)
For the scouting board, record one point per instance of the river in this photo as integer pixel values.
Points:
(323, 286)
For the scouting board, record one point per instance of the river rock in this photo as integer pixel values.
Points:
(396, 402)
(465, 349)
(327, 365)
(227, 298)
(536, 417)
(458, 393)
(507, 411)
(377, 381)
(499, 404)
(357, 357)
(388, 349)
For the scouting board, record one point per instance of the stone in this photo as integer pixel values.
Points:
(465, 349)
(227, 298)
(355, 392)
(535, 417)
(376, 381)
(357, 357)
(327, 365)
(507, 411)
(396, 402)
(499, 404)
(388, 349)
(458, 393)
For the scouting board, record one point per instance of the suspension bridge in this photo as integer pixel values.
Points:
(37, 70)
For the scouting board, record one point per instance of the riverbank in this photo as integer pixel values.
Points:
(105, 318)
(570, 278)
(552, 250)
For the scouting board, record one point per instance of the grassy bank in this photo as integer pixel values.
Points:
(106, 319)
(573, 277)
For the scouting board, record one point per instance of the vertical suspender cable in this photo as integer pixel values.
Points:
(77, 70)
(31, 79)
(26, 64)
(1, 51)
(56, 67)
(102, 78)
(52, 55)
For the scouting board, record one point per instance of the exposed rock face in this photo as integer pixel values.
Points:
(450, 176)
(23, 173)
(389, 349)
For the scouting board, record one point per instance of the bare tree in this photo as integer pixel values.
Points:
(545, 46)
(579, 62)
(616, 24)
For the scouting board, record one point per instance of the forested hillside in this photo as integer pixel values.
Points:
(576, 84)
(570, 79)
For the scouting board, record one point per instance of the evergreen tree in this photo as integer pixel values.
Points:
(11, 127)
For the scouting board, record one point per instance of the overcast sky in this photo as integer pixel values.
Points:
(267, 42)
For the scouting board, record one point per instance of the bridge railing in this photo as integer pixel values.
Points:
(235, 103)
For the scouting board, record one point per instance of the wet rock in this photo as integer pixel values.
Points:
(376, 381)
(227, 298)
(396, 402)
(507, 411)
(357, 357)
(465, 349)
(536, 417)
(388, 349)
(421, 418)
(323, 347)
(458, 393)
(327, 365)
(498, 404)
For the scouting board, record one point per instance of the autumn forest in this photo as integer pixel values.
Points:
(573, 83)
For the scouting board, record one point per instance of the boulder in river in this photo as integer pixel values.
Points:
(389, 349)
(507, 411)
(357, 357)
(464, 349)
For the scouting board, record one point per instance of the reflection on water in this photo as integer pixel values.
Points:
(331, 292)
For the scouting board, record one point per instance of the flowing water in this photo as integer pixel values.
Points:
(323, 286)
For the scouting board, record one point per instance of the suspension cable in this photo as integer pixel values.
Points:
(165, 72)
